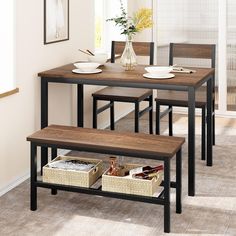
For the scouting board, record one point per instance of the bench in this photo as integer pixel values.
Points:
(139, 145)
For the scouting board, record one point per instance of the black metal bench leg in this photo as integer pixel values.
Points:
(95, 103)
(136, 117)
(33, 178)
(167, 196)
(204, 133)
(171, 121)
(158, 118)
(179, 182)
(151, 115)
(112, 116)
(53, 156)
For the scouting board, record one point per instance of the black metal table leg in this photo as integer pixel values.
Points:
(112, 115)
(191, 141)
(209, 121)
(170, 121)
(33, 177)
(167, 196)
(136, 117)
(179, 182)
(44, 118)
(203, 133)
(151, 115)
(80, 105)
(95, 105)
(158, 118)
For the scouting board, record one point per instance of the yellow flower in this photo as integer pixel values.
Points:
(143, 19)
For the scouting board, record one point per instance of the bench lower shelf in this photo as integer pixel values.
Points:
(155, 200)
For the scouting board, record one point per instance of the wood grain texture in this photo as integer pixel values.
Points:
(122, 94)
(184, 50)
(140, 48)
(99, 140)
(115, 73)
(180, 98)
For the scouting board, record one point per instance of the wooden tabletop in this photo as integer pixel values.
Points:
(130, 144)
(115, 73)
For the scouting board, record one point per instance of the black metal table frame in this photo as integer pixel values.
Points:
(191, 113)
(163, 199)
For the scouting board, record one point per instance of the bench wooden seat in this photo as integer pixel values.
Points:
(106, 141)
(180, 98)
(111, 142)
(122, 94)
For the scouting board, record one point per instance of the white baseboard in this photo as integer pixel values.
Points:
(14, 183)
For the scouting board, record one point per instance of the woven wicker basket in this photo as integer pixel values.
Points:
(131, 185)
(73, 177)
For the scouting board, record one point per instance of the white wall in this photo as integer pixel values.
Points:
(20, 113)
(133, 6)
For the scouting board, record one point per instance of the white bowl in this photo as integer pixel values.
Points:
(100, 58)
(159, 70)
(87, 67)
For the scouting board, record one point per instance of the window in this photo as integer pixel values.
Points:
(105, 31)
(7, 64)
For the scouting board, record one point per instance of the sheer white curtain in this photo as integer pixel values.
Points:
(186, 21)
(231, 55)
(7, 63)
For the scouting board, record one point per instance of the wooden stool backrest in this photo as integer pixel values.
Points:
(197, 51)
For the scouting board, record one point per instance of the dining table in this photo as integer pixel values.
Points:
(113, 74)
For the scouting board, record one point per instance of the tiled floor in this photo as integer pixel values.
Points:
(211, 212)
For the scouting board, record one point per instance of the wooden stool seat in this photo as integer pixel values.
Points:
(122, 94)
(179, 98)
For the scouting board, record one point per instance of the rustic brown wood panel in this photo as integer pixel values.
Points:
(113, 72)
(192, 50)
(179, 98)
(140, 48)
(133, 143)
(124, 94)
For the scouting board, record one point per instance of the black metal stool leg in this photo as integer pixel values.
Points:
(95, 102)
(158, 118)
(171, 121)
(167, 195)
(151, 115)
(136, 117)
(204, 133)
(53, 156)
(112, 116)
(179, 182)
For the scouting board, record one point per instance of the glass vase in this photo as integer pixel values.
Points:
(128, 58)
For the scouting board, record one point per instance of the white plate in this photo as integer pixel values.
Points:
(151, 76)
(78, 71)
